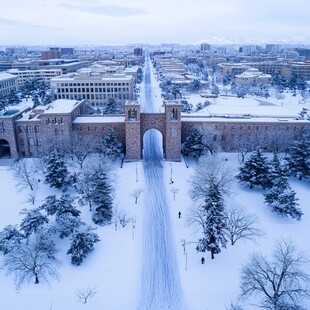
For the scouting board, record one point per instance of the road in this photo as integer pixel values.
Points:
(160, 283)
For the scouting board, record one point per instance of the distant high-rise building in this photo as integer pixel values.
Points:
(53, 53)
(204, 47)
(274, 48)
(305, 52)
(67, 51)
(138, 51)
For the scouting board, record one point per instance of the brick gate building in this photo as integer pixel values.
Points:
(31, 132)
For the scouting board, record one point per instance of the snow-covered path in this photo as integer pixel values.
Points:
(160, 284)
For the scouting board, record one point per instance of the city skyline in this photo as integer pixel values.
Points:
(101, 22)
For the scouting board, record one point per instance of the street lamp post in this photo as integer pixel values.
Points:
(133, 222)
(171, 181)
(136, 172)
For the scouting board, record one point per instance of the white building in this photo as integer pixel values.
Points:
(95, 88)
(43, 75)
(252, 75)
(8, 82)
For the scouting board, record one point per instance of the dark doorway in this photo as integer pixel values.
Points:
(5, 151)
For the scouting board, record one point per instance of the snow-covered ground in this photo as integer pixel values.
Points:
(114, 269)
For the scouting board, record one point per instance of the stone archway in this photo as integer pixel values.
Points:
(5, 150)
(148, 137)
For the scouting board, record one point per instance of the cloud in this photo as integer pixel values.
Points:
(5, 22)
(108, 10)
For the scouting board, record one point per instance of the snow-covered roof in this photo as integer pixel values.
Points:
(7, 76)
(61, 106)
(99, 119)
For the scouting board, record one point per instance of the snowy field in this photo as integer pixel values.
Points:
(114, 268)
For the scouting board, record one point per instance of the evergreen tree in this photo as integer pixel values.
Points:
(56, 174)
(280, 197)
(33, 221)
(82, 244)
(10, 237)
(186, 106)
(194, 86)
(255, 171)
(12, 98)
(214, 222)
(101, 196)
(283, 201)
(193, 144)
(63, 205)
(299, 157)
(67, 224)
(111, 146)
(35, 100)
(278, 172)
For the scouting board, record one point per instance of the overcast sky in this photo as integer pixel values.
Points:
(71, 22)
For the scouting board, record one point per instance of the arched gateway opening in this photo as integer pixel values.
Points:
(5, 151)
(153, 145)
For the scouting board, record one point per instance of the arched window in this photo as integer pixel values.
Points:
(29, 129)
(31, 141)
(36, 129)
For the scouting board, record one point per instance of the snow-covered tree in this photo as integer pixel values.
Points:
(33, 221)
(34, 260)
(281, 281)
(279, 196)
(214, 222)
(185, 106)
(193, 144)
(299, 157)
(111, 145)
(255, 171)
(66, 215)
(67, 224)
(194, 86)
(10, 238)
(82, 244)
(25, 174)
(56, 174)
(83, 146)
(240, 224)
(12, 98)
(283, 201)
(95, 185)
(210, 172)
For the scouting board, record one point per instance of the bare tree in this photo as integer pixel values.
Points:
(82, 146)
(210, 170)
(85, 294)
(245, 144)
(210, 134)
(34, 260)
(278, 141)
(281, 281)
(174, 192)
(234, 306)
(32, 197)
(136, 193)
(195, 218)
(25, 174)
(240, 224)
(122, 217)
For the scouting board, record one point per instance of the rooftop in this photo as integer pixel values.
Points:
(61, 106)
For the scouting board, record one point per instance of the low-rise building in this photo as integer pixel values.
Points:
(8, 82)
(251, 76)
(43, 75)
(95, 88)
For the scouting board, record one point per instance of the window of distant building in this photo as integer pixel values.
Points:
(29, 129)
